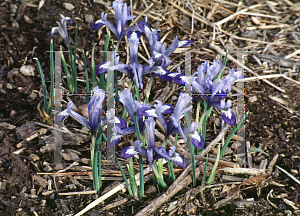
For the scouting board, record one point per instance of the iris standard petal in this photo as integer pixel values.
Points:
(78, 117)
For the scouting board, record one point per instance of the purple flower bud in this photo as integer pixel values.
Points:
(62, 28)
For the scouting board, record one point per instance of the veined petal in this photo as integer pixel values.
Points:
(97, 24)
(197, 140)
(145, 28)
(148, 112)
(128, 152)
(162, 152)
(183, 43)
(61, 115)
(126, 99)
(228, 116)
(172, 47)
(101, 68)
(179, 160)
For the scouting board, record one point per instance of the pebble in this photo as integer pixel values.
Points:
(68, 6)
(43, 203)
(1, 135)
(15, 24)
(252, 99)
(27, 70)
(9, 86)
(2, 186)
(34, 157)
(172, 206)
(89, 18)
(28, 19)
(13, 113)
(190, 209)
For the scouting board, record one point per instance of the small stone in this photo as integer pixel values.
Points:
(13, 113)
(9, 86)
(58, 166)
(190, 209)
(15, 24)
(28, 19)
(25, 130)
(47, 193)
(174, 98)
(1, 135)
(40, 180)
(218, 122)
(172, 206)
(27, 70)
(85, 160)
(68, 6)
(43, 203)
(11, 73)
(252, 99)
(70, 156)
(89, 18)
(23, 190)
(33, 191)
(48, 168)
(2, 186)
(7, 126)
(185, 22)
(34, 157)
(71, 187)
(31, 196)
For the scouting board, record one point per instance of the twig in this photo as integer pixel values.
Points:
(281, 26)
(249, 158)
(139, 16)
(77, 193)
(189, 14)
(47, 126)
(219, 50)
(289, 175)
(237, 13)
(242, 171)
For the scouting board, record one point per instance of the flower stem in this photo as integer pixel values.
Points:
(149, 88)
(132, 177)
(159, 178)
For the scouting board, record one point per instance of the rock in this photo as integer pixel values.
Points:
(47, 193)
(15, 24)
(11, 73)
(185, 22)
(25, 130)
(43, 203)
(27, 70)
(252, 99)
(172, 206)
(68, 6)
(43, 182)
(69, 155)
(28, 19)
(34, 157)
(190, 209)
(9, 86)
(89, 18)
(2, 186)
(1, 135)
(13, 114)
(7, 125)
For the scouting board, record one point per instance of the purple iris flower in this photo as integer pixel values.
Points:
(130, 151)
(134, 70)
(114, 120)
(213, 92)
(125, 97)
(159, 52)
(122, 17)
(171, 155)
(62, 28)
(173, 125)
(94, 110)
